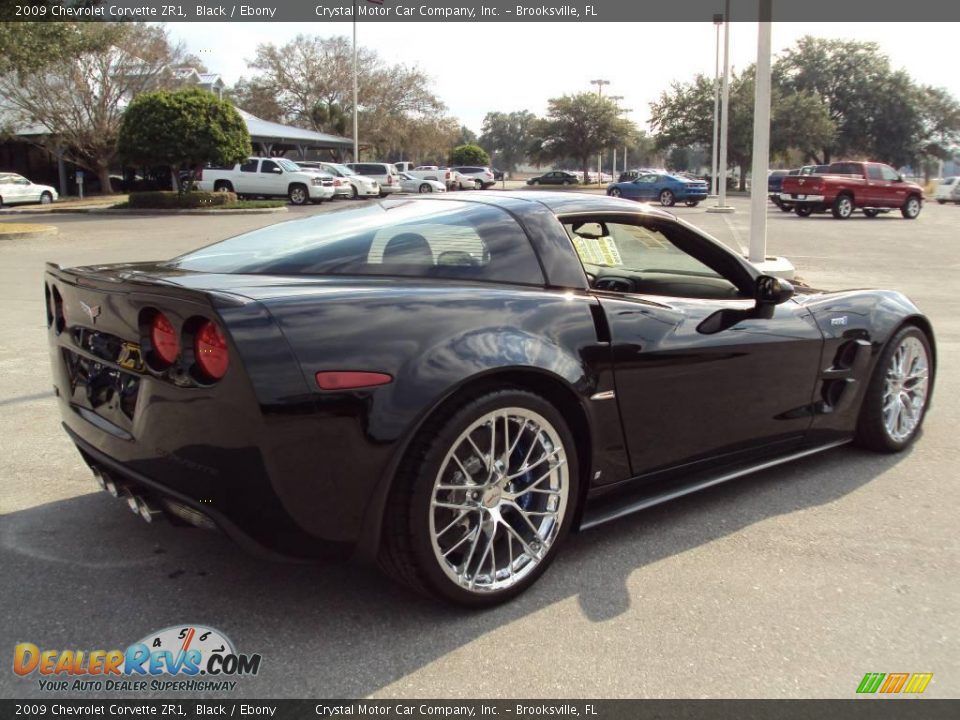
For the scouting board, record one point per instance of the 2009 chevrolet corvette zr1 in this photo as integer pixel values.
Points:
(450, 385)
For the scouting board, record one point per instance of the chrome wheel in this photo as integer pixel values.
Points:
(905, 389)
(298, 195)
(499, 500)
(615, 192)
(912, 208)
(666, 198)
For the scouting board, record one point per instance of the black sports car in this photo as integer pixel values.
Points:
(449, 386)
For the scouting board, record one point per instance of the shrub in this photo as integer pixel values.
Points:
(167, 200)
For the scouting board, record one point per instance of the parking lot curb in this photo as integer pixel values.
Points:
(37, 231)
(129, 211)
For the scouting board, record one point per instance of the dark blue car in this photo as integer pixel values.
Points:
(664, 188)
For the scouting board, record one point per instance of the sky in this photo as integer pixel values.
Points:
(519, 66)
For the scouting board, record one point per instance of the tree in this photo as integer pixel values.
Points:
(508, 136)
(466, 136)
(311, 72)
(469, 155)
(188, 127)
(579, 126)
(80, 95)
(257, 99)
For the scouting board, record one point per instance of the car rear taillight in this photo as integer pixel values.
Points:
(163, 337)
(389, 179)
(350, 379)
(210, 351)
(447, 175)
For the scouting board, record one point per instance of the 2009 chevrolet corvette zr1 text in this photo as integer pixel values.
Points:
(450, 386)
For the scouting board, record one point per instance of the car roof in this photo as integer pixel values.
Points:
(560, 203)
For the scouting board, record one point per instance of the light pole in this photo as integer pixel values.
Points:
(761, 139)
(625, 111)
(356, 131)
(721, 206)
(717, 21)
(613, 169)
(599, 84)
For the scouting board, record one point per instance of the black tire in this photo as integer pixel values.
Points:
(298, 194)
(615, 192)
(871, 432)
(425, 188)
(785, 207)
(803, 210)
(692, 203)
(46, 198)
(356, 193)
(667, 198)
(406, 551)
(534, 182)
(843, 206)
(871, 212)
(911, 208)
(222, 186)
(941, 201)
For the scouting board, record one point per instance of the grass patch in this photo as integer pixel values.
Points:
(12, 228)
(237, 205)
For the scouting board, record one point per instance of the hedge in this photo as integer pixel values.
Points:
(167, 200)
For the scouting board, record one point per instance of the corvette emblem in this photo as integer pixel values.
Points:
(92, 311)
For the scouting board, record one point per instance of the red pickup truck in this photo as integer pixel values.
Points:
(848, 186)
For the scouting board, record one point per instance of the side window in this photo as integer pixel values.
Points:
(653, 259)
(875, 173)
(250, 166)
(269, 166)
(889, 173)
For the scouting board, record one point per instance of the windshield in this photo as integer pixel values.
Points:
(341, 169)
(287, 165)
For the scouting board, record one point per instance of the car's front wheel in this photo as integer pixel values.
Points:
(298, 194)
(46, 198)
(896, 398)
(911, 208)
(615, 192)
(425, 188)
(483, 500)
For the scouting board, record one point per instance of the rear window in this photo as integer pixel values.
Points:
(949, 181)
(410, 238)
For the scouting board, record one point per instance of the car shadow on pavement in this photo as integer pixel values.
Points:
(86, 573)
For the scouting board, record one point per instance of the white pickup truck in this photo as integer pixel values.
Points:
(268, 177)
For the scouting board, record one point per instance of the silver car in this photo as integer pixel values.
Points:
(385, 174)
(410, 184)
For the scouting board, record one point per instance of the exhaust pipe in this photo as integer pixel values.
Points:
(147, 511)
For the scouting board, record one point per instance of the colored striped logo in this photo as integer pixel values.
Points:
(889, 683)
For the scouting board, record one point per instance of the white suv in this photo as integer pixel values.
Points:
(386, 175)
(482, 176)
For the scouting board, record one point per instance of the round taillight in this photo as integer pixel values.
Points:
(210, 349)
(164, 339)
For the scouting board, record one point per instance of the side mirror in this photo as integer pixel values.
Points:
(770, 291)
(278, 171)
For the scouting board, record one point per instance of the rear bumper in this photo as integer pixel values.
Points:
(168, 499)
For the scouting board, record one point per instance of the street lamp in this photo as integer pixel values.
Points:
(613, 169)
(356, 132)
(599, 84)
(717, 21)
(625, 111)
(721, 206)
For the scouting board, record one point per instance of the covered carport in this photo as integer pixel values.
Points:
(272, 138)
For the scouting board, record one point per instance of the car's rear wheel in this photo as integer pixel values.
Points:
(786, 208)
(871, 212)
(425, 188)
(692, 203)
(46, 198)
(615, 192)
(484, 499)
(803, 210)
(896, 398)
(666, 198)
(911, 208)
(842, 207)
(299, 195)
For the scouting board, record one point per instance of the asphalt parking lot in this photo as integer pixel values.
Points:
(790, 583)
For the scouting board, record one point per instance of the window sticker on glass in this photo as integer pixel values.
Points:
(597, 251)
